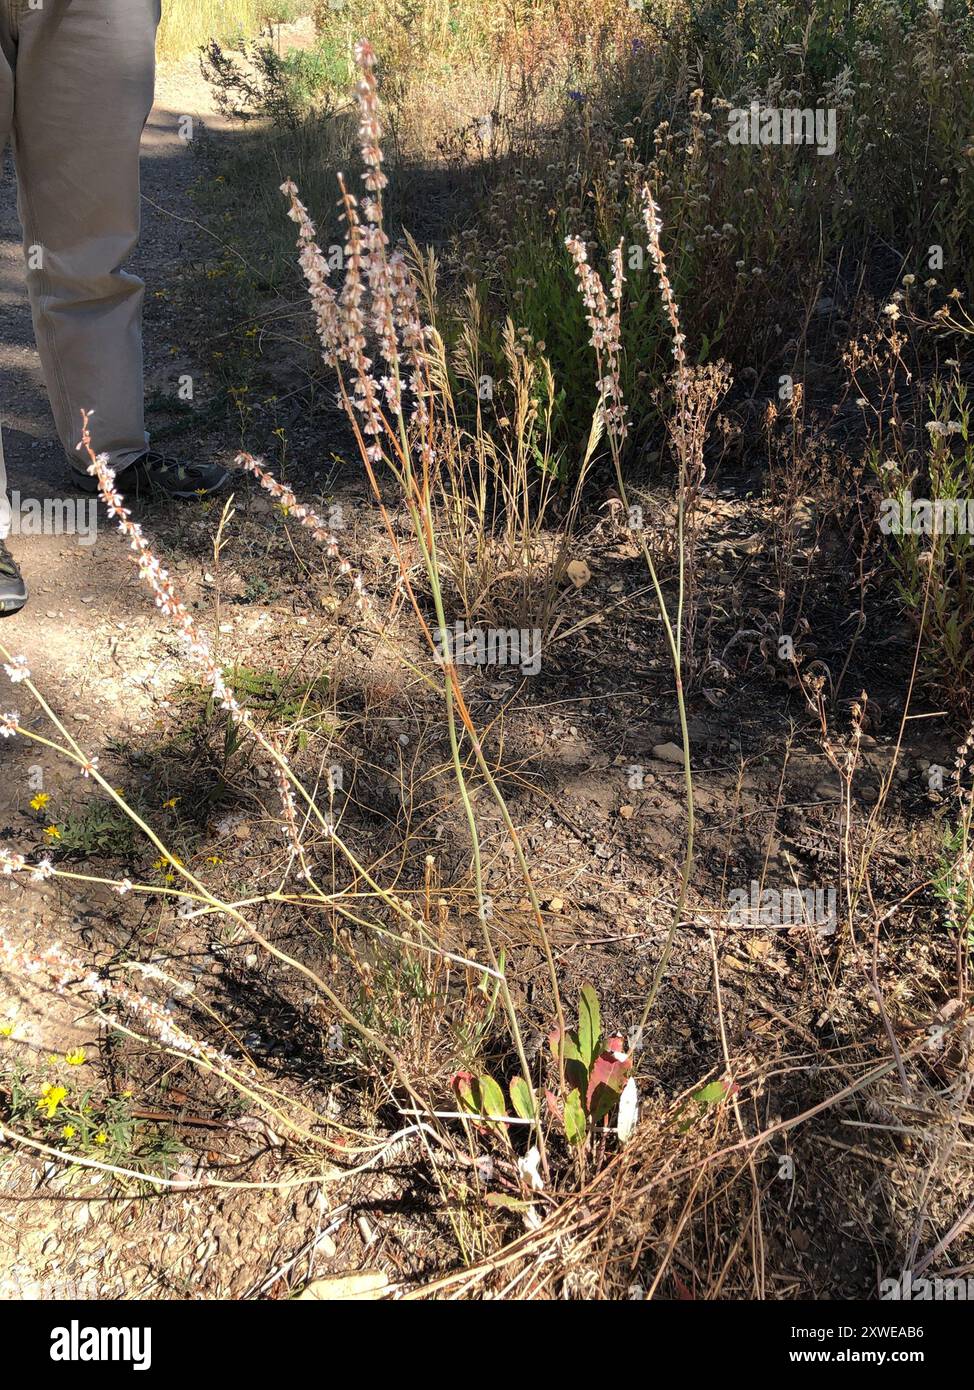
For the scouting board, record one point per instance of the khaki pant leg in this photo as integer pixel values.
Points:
(83, 89)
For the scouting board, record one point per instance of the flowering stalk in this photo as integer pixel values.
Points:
(308, 518)
(64, 974)
(381, 281)
(151, 570)
(607, 342)
(58, 970)
(168, 602)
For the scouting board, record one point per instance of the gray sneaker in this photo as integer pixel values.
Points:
(13, 590)
(155, 475)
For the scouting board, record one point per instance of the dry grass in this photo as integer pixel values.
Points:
(804, 1085)
(188, 25)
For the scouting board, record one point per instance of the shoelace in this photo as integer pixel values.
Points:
(7, 565)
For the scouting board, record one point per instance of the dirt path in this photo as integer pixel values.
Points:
(90, 636)
(82, 596)
(99, 653)
(88, 621)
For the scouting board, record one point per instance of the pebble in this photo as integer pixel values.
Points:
(668, 752)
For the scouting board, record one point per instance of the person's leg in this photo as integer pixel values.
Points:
(84, 86)
(6, 123)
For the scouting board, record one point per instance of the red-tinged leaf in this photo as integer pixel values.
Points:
(553, 1105)
(682, 1289)
(479, 1095)
(606, 1081)
(572, 1053)
(463, 1086)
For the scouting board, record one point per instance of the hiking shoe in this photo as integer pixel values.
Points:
(13, 590)
(155, 475)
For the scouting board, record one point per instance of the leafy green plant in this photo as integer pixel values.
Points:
(704, 1100)
(281, 699)
(99, 828)
(284, 88)
(596, 1072)
(84, 1120)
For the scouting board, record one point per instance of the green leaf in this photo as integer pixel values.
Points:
(576, 1070)
(572, 1053)
(589, 1025)
(480, 1095)
(522, 1098)
(501, 1199)
(710, 1095)
(574, 1118)
(492, 1098)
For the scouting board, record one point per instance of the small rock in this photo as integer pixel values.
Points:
(668, 752)
(366, 1284)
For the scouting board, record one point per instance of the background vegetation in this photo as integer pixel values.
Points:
(585, 368)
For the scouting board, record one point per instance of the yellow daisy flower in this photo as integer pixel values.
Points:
(51, 1098)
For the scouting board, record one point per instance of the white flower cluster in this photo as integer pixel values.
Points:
(54, 967)
(17, 670)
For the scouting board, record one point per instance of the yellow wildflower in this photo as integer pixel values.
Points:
(51, 1098)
